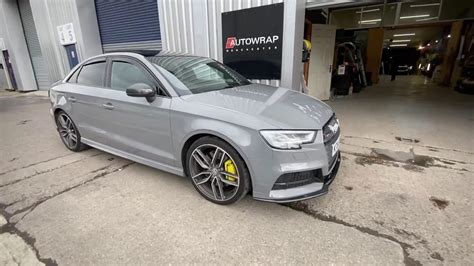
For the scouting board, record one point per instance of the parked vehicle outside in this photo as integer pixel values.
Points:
(195, 117)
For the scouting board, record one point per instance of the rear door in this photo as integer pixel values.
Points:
(135, 125)
(86, 102)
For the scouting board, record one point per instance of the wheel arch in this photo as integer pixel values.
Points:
(57, 110)
(198, 135)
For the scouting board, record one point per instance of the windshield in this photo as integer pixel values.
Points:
(191, 75)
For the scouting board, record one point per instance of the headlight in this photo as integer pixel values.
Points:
(287, 139)
(330, 129)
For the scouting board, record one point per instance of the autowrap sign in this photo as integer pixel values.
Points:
(252, 40)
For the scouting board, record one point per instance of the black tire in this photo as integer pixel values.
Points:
(242, 170)
(77, 146)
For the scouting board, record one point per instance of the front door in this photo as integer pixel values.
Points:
(9, 69)
(71, 55)
(135, 125)
(86, 101)
(323, 39)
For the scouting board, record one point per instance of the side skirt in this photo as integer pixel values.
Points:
(138, 159)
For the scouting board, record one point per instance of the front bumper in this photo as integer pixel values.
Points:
(308, 191)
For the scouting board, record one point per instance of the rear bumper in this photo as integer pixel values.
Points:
(305, 192)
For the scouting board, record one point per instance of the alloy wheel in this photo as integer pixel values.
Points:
(214, 172)
(67, 131)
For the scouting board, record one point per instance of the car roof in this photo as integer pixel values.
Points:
(144, 54)
(141, 54)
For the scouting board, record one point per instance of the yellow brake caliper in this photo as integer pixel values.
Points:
(230, 168)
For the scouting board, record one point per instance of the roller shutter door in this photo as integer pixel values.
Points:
(37, 60)
(128, 25)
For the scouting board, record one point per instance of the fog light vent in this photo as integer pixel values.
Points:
(297, 179)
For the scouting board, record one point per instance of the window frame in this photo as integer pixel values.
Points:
(90, 62)
(158, 86)
(75, 74)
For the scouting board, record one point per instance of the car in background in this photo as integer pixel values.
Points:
(195, 117)
(404, 69)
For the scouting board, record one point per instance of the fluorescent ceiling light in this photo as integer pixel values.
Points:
(398, 45)
(415, 16)
(403, 34)
(423, 5)
(371, 21)
(426, 19)
(401, 41)
(368, 10)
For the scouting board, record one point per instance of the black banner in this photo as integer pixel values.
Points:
(252, 40)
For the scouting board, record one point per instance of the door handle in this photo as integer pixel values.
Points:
(108, 106)
(72, 99)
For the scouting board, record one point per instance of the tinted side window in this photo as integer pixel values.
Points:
(92, 74)
(125, 75)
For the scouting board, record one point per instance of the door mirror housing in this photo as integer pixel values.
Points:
(142, 90)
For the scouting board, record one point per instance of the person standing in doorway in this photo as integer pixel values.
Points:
(393, 67)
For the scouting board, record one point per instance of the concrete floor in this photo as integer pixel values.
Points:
(406, 201)
(409, 107)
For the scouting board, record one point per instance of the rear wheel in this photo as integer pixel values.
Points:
(217, 171)
(68, 132)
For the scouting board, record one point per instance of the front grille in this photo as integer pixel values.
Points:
(291, 180)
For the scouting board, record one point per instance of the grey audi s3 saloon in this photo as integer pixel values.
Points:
(195, 117)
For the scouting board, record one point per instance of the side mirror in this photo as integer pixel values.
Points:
(141, 90)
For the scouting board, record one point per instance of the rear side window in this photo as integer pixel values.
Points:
(125, 75)
(92, 75)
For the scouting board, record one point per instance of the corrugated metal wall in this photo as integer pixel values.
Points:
(194, 26)
(48, 14)
(39, 66)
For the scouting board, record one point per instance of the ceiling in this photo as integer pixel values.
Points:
(422, 36)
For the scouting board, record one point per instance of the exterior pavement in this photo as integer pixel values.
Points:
(406, 201)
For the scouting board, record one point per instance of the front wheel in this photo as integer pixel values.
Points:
(217, 171)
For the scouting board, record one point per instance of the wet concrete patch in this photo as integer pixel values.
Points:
(422, 160)
(370, 160)
(398, 156)
(348, 187)
(409, 160)
(439, 203)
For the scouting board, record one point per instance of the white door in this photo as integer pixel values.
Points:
(323, 39)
